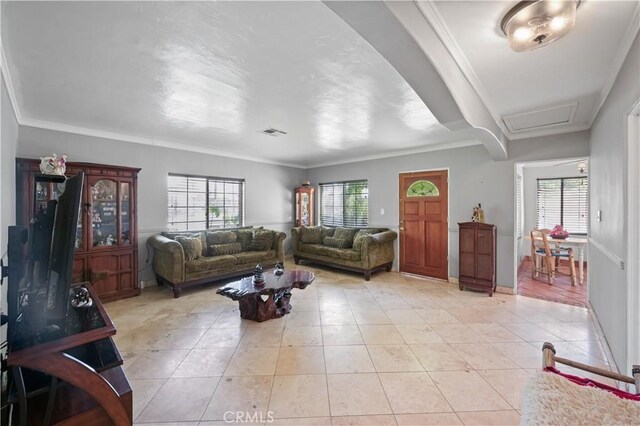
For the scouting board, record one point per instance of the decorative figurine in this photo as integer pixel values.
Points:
(81, 298)
(478, 214)
(53, 165)
(279, 269)
(258, 275)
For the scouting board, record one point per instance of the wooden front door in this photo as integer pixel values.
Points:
(424, 229)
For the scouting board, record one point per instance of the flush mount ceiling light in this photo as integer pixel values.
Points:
(530, 25)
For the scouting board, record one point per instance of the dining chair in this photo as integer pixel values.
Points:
(544, 258)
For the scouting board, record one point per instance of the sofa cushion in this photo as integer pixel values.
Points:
(333, 252)
(345, 234)
(262, 240)
(311, 235)
(223, 249)
(340, 243)
(255, 257)
(211, 264)
(220, 237)
(244, 237)
(203, 239)
(358, 240)
(192, 247)
(327, 232)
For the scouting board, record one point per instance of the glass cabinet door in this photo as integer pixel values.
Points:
(46, 191)
(125, 213)
(104, 214)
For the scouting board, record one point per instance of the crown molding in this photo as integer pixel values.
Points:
(618, 61)
(429, 148)
(83, 131)
(8, 82)
(431, 13)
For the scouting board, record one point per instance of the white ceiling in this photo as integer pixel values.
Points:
(572, 72)
(207, 76)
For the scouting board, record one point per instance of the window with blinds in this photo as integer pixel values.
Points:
(519, 207)
(344, 203)
(563, 201)
(201, 202)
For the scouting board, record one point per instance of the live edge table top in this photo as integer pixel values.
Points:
(269, 300)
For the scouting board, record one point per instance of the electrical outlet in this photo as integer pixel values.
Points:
(382, 212)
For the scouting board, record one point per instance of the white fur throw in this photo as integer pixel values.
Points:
(549, 399)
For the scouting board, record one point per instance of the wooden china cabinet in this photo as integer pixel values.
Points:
(305, 205)
(106, 242)
(478, 265)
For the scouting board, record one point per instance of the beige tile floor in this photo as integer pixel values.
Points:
(392, 351)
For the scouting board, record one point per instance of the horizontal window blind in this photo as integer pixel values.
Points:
(519, 209)
(344, 204)
(201, 202)
(563, 201)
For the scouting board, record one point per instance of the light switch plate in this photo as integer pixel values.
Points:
(382, 212)
(599, 215)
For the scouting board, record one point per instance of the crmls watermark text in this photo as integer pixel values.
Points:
(247, 417)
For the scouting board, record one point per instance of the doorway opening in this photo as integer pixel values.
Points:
(424, 223)
(551, 194)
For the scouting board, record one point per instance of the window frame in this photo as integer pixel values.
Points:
(208, 180)
(562, 201)
(344, 195)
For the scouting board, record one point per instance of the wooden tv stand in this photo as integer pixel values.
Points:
(83, 356)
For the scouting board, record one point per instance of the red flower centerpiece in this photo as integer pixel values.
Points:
(558, 233)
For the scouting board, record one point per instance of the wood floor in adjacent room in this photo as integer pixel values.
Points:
(394, 350)
(560, 291)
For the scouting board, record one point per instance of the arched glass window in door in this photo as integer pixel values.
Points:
(423, 188)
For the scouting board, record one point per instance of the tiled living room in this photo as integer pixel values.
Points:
(393, 350)
(314, 213)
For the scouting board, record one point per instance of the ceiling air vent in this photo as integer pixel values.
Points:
(272, 132)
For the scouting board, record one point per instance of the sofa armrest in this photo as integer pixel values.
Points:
(295, 238)
(377, 249)
(278, 243)
(168, 258)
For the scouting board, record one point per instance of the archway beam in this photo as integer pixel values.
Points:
(405, 38)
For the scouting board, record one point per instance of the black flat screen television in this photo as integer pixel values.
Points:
(41, 264)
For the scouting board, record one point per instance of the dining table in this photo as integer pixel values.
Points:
(579, 243)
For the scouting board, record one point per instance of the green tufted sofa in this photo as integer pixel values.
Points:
(371, 249)
(171, 267)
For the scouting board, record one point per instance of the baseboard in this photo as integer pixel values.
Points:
(605, 346)
(454, 280)
(505, 290)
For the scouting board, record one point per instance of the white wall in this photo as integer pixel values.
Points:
(8, 143)
(269, 188)
(531, 174)
(607, 189)
(473, 178)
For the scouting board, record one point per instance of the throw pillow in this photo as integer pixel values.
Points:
(244, 237)
(311, 235)
(358, 240)
(262, 240)
(221, 237)
(224, 249)
(340, 243)
(192, 247)
(345, 234)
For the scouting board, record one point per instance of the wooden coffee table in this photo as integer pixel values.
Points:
(267, 301)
